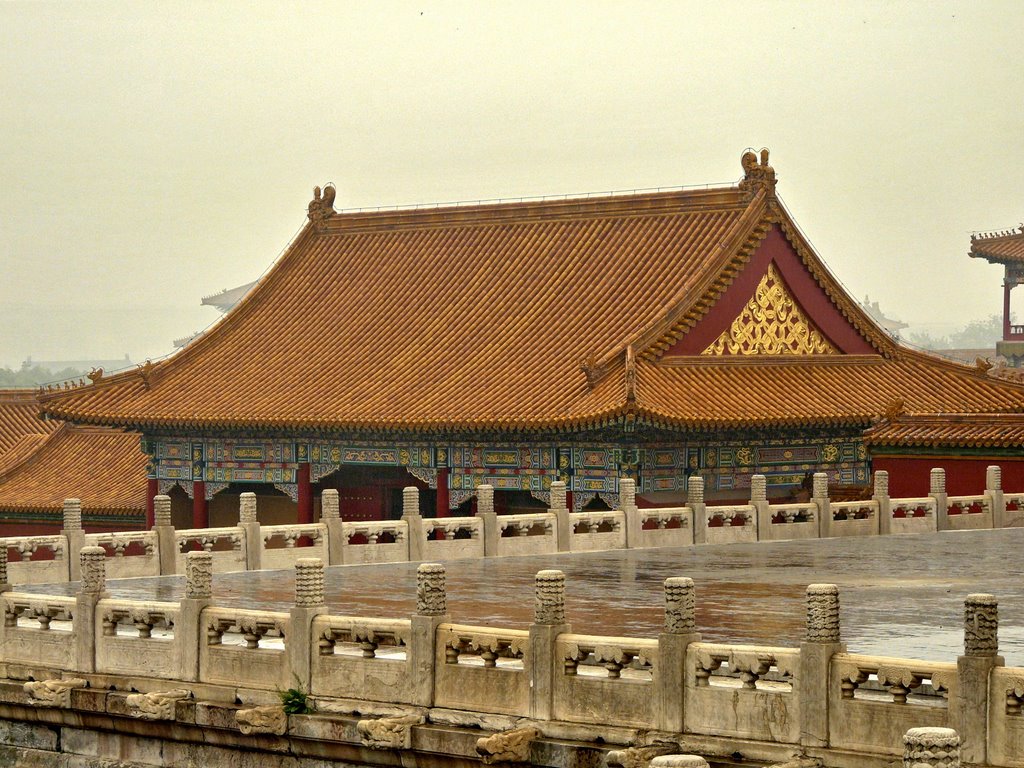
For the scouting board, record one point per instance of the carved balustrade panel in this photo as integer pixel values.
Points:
(794, 513)
(486, 647)
(613, 658)
(136, 618)
(969, 505)
(542, 524)
(894, 680)
(854, 510)
(919, 507)
(247, 629)
(366, 638)
(23, 610)
(745, 667)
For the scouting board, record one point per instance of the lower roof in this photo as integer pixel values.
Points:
(104, 468)
(951, 430)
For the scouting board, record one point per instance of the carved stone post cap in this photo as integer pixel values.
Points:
(329, 504)
(679, 605)
(822, 589)
(758, 488)
(198, 574)
(309, 582)
(94, 569)
(161, 509)
(72, 514)
(410, 500)
(994, 477)
(981, 625)
(431, 589)
(937, 480)
(681, 582)
(822, 613)
(247, 507)
(981, 598)
(679, 761)
(932, 747)
(819, 485)
(549, 603)
(485, 498)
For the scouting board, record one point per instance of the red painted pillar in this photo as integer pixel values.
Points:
(305, 495)
(200, 512)
(568, 500)
(1006, 310)
(152, 489)
(443, 498)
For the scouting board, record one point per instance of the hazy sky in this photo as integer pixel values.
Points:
(152, 154)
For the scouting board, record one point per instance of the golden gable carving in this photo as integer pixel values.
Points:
(771, 323)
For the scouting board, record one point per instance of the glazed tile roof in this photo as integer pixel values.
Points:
(957, 430)
(999, 247)
(19, 418)
(105, 468)
(481, 316)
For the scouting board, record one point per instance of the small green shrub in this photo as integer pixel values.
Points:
(295, 701)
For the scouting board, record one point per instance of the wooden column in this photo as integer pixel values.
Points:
(305, 495)
(152, 489)
(568, 499)
(200, 512)
(1006, 308)
(441, 507)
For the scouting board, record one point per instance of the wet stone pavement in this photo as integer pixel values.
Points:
(901, 595)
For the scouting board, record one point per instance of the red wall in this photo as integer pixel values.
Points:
(908, 475)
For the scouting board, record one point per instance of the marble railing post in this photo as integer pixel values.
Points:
(994, 491)
(821, 642)
(931, 748)
(414, 520)
(250, 525)
(330, 515)
(548, 623)
(881, 495)
(627, 500)
(695, 501)
(431, 612)
(969, 709)
(819, 495)
(680, 631)
(488, 518)
(74, 536)
(762, 510)
(93, 567)
(309, 603)
(937, 490)
(164, 532)
(189, 631)
(563, 528)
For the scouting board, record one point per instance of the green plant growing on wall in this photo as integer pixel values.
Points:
(295, 701)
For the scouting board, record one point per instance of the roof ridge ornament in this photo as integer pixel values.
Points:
(321, 207)
(756, 176)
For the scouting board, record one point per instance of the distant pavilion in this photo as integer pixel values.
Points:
(1006, 249)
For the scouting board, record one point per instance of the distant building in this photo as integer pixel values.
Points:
(890, 326)
(57, 367)
(651, 335)
(225, 301)
(1005, 248)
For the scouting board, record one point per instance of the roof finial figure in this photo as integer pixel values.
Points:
(321, 207)
(756, 175)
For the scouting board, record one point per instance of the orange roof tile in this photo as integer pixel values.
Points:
(957, 430)
(480, 317)
(19, 416)
(105, 468)
(999, 247)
